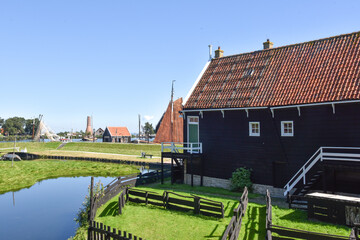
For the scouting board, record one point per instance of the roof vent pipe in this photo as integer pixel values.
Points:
(210, 52)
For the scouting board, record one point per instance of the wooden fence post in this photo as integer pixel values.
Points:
(120, 203)
(196, 205)
(108, 233)
(91, 199)
(89, 230)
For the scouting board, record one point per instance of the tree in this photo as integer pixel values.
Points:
(29, 126)
(1, 121)
(148, 128)
(14, 126)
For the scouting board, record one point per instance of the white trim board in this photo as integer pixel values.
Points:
(196, 82)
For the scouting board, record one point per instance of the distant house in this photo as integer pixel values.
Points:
(117, 134)
(99, 132)
(290, 112)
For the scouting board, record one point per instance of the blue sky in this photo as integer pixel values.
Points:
(116, 59)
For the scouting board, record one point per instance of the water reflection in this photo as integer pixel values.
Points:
(44, 211)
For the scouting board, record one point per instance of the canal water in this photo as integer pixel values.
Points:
(44, 211)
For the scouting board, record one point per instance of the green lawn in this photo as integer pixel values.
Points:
(117, 148)
(31, 146)
(157, 223)
(124, 148)
(26, 173)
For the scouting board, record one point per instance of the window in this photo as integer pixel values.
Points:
(287, 128)
(248, 72)
(254, 129)
(193, 120)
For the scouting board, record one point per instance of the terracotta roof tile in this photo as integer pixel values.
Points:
(119, 131)
(317, 71)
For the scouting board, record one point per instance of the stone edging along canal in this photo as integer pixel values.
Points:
(32, 156)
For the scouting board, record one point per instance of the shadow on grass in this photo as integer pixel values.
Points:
(254, 227)
(211, 235)
(294, 216)
(231, 211)
(110, 210)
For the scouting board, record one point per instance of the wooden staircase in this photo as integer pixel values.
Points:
(311, 172)
(297, 199)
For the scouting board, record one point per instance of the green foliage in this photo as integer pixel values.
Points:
(83, 213)
(148, 128)
(30, 124)
(14, 126)
(241, 178)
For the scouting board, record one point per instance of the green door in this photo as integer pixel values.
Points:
(193, 133)
(193, 130)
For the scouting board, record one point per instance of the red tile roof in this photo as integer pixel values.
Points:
(119, 131)
(324, 70)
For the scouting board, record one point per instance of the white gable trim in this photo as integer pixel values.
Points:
(196, 82)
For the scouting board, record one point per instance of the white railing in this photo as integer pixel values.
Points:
(175, 147)
(13, 148)
(322, 154)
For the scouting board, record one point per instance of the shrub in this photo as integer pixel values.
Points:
(83, 213)
(240, 179)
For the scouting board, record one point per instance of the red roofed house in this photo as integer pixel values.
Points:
(273, 110)
(117, 134)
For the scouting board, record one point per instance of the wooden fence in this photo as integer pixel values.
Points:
(98, 231)
(355, 233)
(173, 201)
(291, 233)
(119, 183)
(233, 229)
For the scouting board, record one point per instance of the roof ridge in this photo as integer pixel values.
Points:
(290, 45)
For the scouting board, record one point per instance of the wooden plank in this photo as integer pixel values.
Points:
(178, 208)
(136, 193)
(213, 209)
(155, 197)
(160, 204)
(181, 201)
(136, 200)
(210, 214)
(296, 233)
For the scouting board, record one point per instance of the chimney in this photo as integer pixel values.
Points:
(219, 53)
(268, 44)
(88, 125)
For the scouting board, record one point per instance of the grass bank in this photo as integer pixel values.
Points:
(88, 149)
(124, 148)
(26, 173)
(157, 223)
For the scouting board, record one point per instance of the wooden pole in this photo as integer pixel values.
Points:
(139, 128)
(12, 159)
(91, 196)
(172, 112)
(162, 169)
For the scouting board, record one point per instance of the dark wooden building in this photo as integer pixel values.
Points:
(291, 114)
(117, 134)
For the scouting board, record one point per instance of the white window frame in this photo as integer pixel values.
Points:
(195, 123)
(251, 133)
(283, 134)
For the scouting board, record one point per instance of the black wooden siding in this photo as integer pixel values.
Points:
(273, 159)
(107, 134)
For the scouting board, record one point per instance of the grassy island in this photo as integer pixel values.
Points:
(26, 173)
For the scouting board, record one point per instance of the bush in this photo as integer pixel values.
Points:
(240, 179)
(83, 213)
